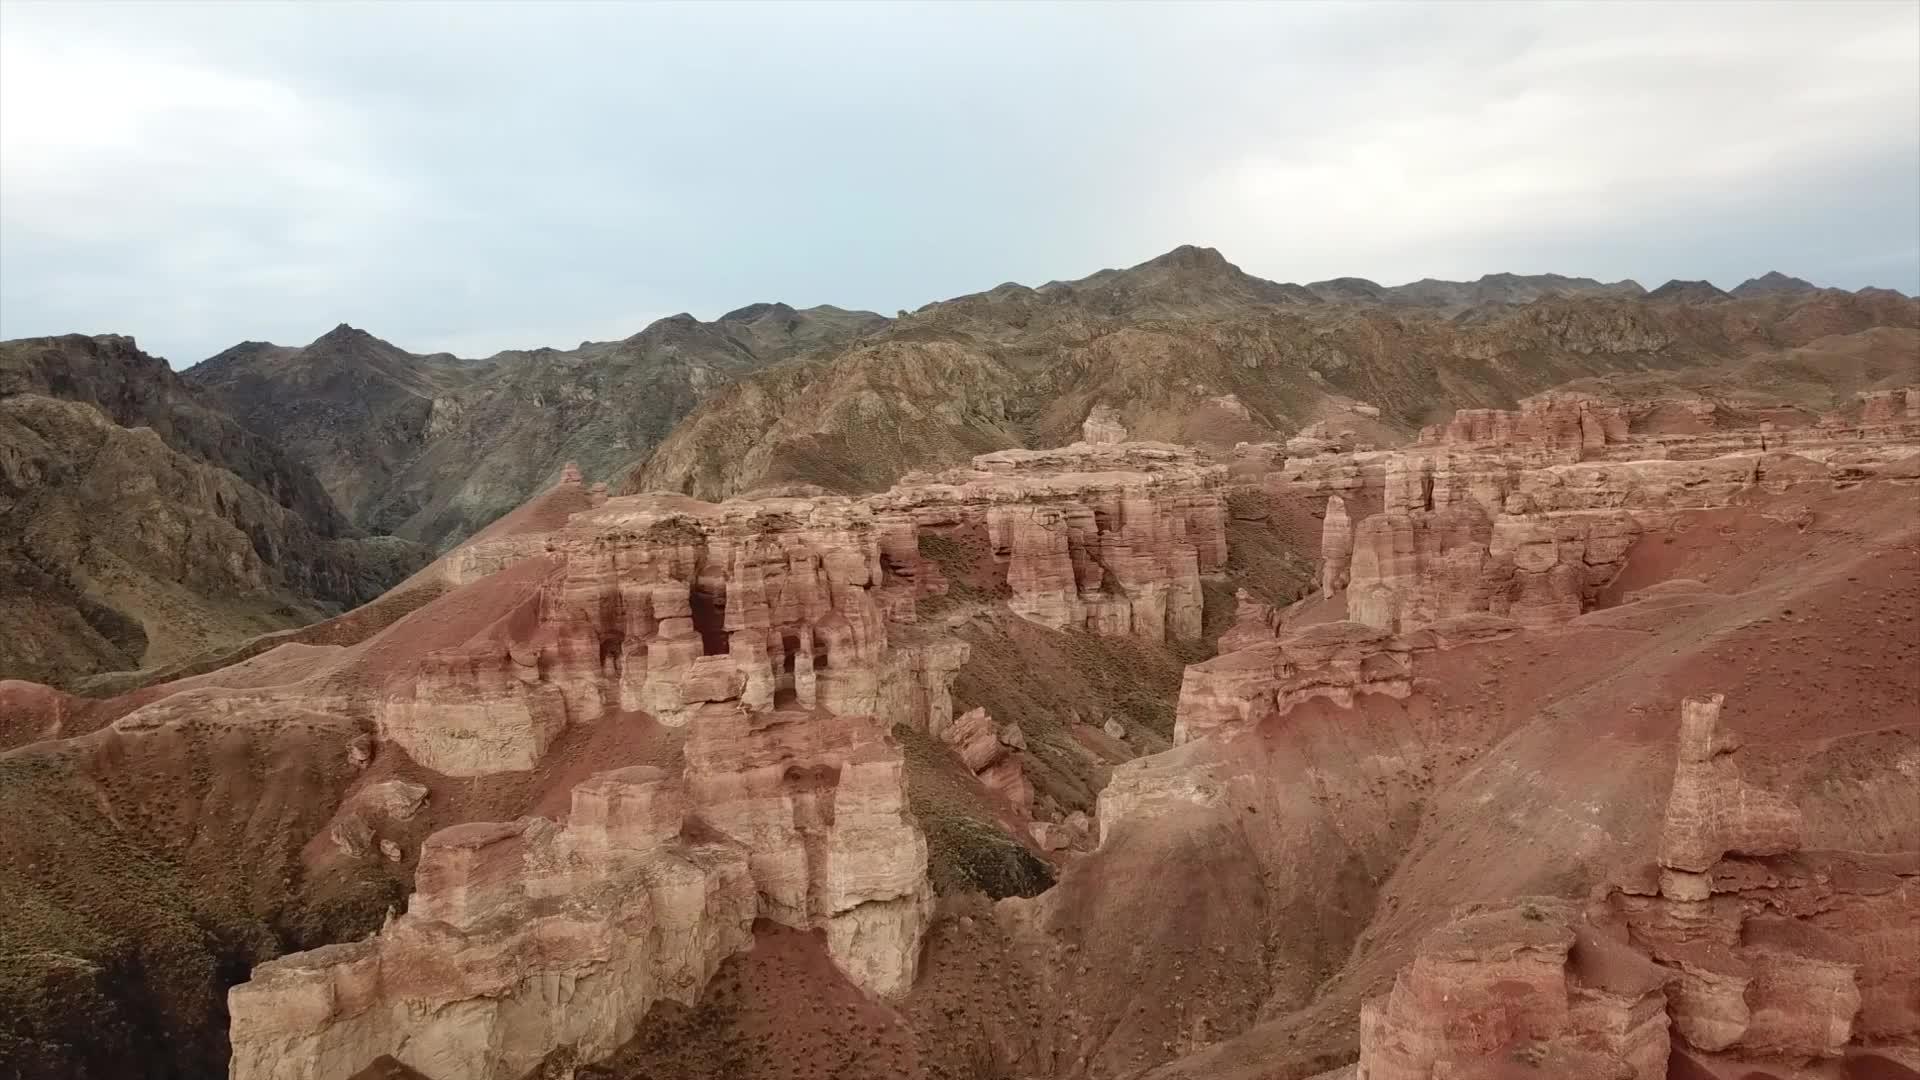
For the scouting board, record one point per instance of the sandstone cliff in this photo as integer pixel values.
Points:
(772, 642)
(1531, 514)
(1771, 955)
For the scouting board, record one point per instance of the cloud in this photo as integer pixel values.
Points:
(476, 177)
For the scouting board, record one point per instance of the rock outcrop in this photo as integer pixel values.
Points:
(1890, 406)
(1779, 952)
(1107, 538)
(527, 937)
(988, 749)
(1736, 947)
(775, 641)
(663, 604)
(1337, 661)
(1527, 984)
(1712, 812)
(1103, 425)
(1529, 514)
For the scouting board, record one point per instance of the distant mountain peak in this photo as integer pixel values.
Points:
(1773, 283)
(754, 311)
(1690, 292)
(1192, 257)
(344, 337)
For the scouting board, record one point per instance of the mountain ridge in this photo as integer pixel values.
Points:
(142, 524)
(1190, 348)
(433, 447)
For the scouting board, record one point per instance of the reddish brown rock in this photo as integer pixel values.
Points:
(526, 937)
(1111, 539)
(1103, 426)
(1712, 811)
(1335, 661)
(1526, 983)
(1531, 514)
(1890, 406)
(1336, 548)
(988, 752)
(1548, 424)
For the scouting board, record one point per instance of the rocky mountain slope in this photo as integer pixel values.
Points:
(142, 525)
(1423, 821)
(1188, 348)
(434, 447)
(1234, 708)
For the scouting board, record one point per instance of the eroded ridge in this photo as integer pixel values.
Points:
(1530, 514)
(1737, 947)
(774, 640)
(531, 936)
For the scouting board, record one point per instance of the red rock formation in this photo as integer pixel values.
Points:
(1890, 406)
(988, 750)
(1331, 660)
(1523, 984)
(663, 604)
(1712, 812)
(1779, 952)
(525, 937)
(1107, 538)
(1336, 548)
(522, 937)
(1103, 426)
(1254, 622)
(1531, 514)
(1771, 956)
(1547, 425)
(777, 634)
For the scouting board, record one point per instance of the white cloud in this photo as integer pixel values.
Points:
(1603, 118)
(490, 176)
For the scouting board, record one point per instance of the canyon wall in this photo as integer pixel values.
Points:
(528, 937)
(1529, 514)
(663, 604)
(775, 644)
(1736, 948)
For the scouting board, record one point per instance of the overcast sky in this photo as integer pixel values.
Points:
(485, 176)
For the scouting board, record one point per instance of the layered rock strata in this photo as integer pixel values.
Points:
(1735, 948)
(1891, 406)
(1107, 538)
(527, 937)
(1529, 514)
(1258, 675)
(1778, 952)
(775, 641)
(663, 604)
(987, 749)
(1530, 984)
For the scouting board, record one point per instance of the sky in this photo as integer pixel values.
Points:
(482, 176)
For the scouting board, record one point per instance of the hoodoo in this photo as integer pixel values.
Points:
(774, 639)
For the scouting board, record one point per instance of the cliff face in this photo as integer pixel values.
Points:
(527, 937)
(1736, 947)
(434, 447)
(773, 642)
(142, 525)
(1530, 514)
(1346, 777)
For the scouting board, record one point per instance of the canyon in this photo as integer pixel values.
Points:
(1572, 732)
